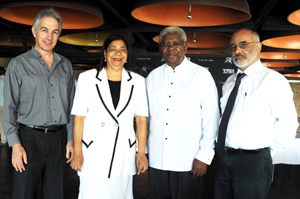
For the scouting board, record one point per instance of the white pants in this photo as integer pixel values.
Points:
(116, 187)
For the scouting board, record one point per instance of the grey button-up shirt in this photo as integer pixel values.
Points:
(37, 95)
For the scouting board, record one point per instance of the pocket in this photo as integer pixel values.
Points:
(253, 105)
(27, 141)
(64, 88)
(131, 144)
(30, 85)
(87, 145)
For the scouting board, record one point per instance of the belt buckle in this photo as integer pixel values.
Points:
(46, 131)
(226, 150)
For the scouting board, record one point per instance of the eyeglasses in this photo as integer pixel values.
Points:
(241, 45)
(168, 45)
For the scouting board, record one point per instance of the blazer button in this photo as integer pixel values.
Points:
(116, 125)
(102, 124)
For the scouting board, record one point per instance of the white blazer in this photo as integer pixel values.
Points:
(108, 143)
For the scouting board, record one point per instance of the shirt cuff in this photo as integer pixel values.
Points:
(204, 157)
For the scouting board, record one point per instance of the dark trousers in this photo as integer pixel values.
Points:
(174, 185)
(46, 162)
(244, 176)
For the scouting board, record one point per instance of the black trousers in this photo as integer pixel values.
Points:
(244, 176)
(174, 185)
(46, 162)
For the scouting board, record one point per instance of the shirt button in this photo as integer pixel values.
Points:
(116, 125)
(167, 109)
(166, 138)
(102, 124)
(166, 123)
(171, 83)
(51, 84)
(52, 96)
(169, 95)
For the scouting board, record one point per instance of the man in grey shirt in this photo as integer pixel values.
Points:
(39, 90)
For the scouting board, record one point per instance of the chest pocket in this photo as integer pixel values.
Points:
(253, 105)
(29, 85)
(64, 88)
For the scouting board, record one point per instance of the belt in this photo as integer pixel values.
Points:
(45, 129)
(243, 151)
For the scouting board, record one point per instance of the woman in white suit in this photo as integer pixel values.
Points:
(107, 100)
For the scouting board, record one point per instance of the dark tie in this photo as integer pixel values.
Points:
(226, 115)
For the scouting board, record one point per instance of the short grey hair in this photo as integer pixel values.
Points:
(172, 30)
(256, 37)
(254, 34)
(50, 12)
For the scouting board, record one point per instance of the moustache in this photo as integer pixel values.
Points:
(238, 55)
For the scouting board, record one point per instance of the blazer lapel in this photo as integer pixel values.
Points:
(126, 92)
(105, 92)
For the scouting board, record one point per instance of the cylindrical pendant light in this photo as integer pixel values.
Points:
(86, 39)
(294, 17)
(280, 55)
(191, 13)
(75, 15)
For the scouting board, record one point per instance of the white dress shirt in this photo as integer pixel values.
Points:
(184, 114)
(264, 113)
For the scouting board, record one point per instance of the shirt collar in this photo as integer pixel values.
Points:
(39, 56)
(179, 67)
(253, 69)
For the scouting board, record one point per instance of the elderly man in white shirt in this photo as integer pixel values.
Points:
(184, 115)
(262, 120)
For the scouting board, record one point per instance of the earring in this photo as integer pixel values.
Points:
(126, 61)
(104, 59)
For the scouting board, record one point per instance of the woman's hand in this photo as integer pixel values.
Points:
(141, 163)
(77, 161)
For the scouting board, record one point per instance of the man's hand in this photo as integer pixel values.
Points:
(199, 168)
(18, 156)
(141, 163)
(70, 151)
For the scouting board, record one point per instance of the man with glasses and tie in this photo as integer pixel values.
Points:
(258, 119)
(184, 115)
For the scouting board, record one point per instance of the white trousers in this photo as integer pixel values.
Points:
(116, 187)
